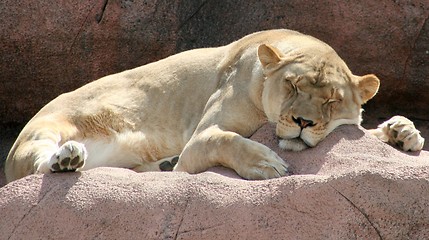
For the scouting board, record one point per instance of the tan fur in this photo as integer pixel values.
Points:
(201, 105)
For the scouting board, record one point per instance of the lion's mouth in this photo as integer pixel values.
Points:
(302, 140)
(297, 140)
(295, 136)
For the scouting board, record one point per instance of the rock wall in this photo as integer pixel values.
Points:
(50, 48)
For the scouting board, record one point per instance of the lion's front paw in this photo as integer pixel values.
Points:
(401, 132)
(69, 157)
(266, 166)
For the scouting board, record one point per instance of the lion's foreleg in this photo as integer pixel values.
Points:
(214, 147)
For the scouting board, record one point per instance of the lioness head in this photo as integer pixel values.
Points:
(310, 91)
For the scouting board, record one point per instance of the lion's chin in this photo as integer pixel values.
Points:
(293, 144)
(296, 138)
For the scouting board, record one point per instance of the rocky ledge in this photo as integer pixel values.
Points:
(351, 186)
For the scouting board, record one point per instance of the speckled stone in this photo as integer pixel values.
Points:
(351, 186)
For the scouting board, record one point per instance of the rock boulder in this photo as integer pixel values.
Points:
(47, 48)
(351, 186)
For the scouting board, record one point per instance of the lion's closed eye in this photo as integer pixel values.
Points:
(332, 100)
(290, 85)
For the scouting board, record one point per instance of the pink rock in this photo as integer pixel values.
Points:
(350, 186)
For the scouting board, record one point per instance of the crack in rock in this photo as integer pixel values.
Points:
(359, 210)
(193, 14)
(183, 217)
(30, 210)
(100, 16)
(80, 30)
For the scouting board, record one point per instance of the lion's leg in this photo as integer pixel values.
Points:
(40, 148)
(400, 131)
(213, 147)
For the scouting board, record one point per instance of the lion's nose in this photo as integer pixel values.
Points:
(303, 123)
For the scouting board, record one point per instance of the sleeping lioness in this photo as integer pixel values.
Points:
(197, 108)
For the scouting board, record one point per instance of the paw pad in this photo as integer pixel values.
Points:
(69, 157)
(169, 165)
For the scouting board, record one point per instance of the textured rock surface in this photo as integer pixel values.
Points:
(349, 187)
(50, 48)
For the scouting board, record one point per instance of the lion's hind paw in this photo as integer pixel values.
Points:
(69, 157)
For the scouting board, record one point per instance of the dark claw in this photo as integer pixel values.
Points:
(174, 161)
(288, 170)
(277, 171)
(166, 166)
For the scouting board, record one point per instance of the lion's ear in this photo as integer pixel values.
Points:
(269, 55)
(368, 86)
